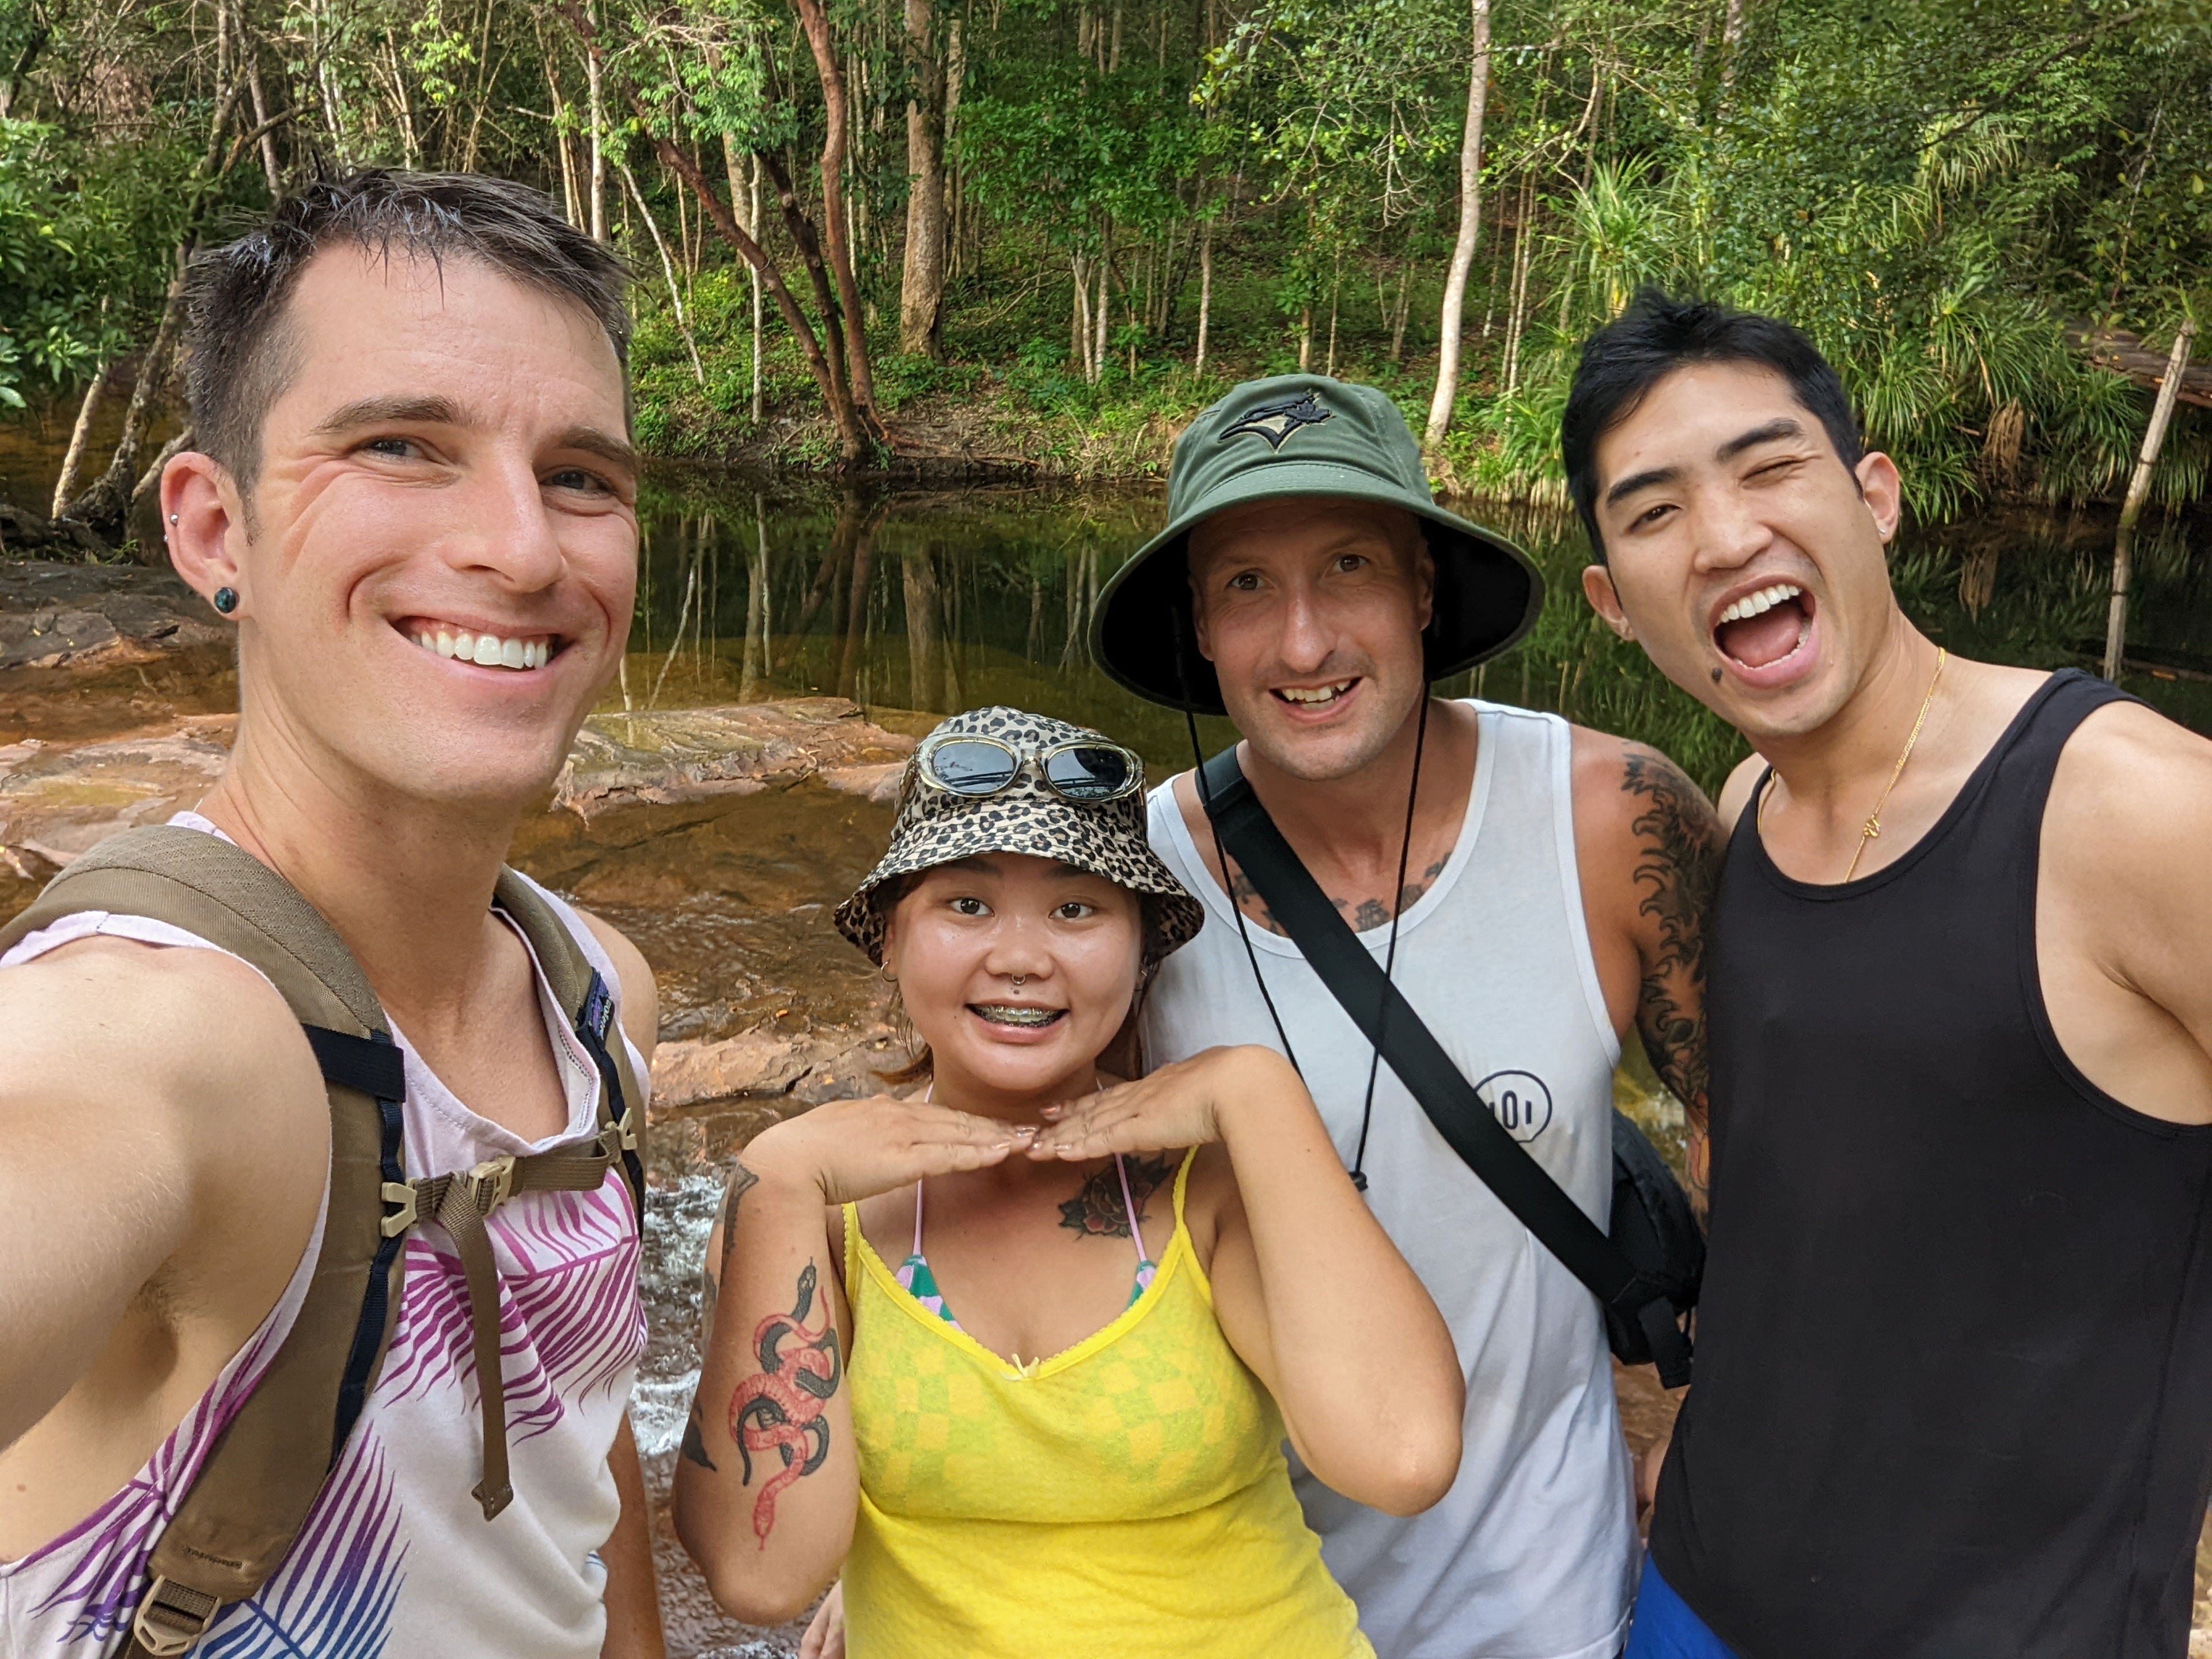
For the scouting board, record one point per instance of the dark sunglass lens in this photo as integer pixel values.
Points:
(1089, 773)
(972, 769)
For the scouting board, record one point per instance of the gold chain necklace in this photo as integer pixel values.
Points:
(1873, 826)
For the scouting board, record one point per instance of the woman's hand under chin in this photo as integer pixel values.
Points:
(1186, 1104)
(855, 1149)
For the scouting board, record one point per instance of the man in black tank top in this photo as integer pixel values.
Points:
(1954, 1392)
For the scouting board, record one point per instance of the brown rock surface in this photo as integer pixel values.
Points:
(672, 755)
(79, 616)
(56, 801)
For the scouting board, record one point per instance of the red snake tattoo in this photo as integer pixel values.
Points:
(781, 1408)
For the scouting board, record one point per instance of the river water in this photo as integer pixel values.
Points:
(946, 598)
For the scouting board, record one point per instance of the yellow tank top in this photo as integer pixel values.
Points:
(1127, 1498)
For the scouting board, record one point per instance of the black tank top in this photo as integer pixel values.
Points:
(1953, 1394)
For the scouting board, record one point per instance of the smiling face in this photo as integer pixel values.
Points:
(1310, 610)
(1742, 553)
(962, 933)
(436, 566)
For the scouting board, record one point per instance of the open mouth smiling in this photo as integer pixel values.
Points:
(1315, 697)
(518, 652)
(1762, 630)
(1021, 1015)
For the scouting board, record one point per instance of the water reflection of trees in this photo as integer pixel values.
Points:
(930, 600)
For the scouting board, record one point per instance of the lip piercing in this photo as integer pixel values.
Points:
(225, 599)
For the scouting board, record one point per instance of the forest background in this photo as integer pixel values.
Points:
(1039, 234)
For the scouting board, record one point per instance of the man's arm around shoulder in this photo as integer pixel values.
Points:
(164, 1120)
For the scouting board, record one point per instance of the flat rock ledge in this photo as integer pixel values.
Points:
(56, 801)
(739, 749)
(85, 616)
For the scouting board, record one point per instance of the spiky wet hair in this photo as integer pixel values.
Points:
(240, 351)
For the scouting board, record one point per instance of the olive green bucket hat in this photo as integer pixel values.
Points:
(1303, 434)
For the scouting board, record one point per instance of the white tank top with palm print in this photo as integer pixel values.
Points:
(395, 1558)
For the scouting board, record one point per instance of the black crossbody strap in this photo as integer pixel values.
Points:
(1388, 1020)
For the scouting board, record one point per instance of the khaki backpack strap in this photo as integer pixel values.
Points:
(239, 1518)
(589, 1003)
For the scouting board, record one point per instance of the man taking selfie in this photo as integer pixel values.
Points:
(319, 1210)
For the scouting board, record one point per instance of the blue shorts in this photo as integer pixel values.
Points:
(1665, 1627)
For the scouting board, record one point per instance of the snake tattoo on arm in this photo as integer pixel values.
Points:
(780, 1407)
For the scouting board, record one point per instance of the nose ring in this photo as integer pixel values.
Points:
(1020, 980)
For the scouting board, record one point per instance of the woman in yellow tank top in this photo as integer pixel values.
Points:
(1057, 1426)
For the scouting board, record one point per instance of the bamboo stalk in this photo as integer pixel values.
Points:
(2162, 414)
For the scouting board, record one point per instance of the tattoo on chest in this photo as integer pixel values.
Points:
(780, 1407)
(1096, 1211)
(1364, 916)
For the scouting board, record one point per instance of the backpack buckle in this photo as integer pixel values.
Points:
(493, 1183)
(402, 1193)
(173, 1618)
(626, 1129)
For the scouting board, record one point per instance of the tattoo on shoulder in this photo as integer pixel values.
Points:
(1096, 1211)
(780, 1407)
(1678, 863)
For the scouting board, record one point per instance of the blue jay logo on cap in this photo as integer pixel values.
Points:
(1275, 422)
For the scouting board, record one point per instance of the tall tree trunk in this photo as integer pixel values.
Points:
(754, 200)
(921, 292)
(1078, 339)
(1404, 306)
(1731, 38)
(2169, 390)
(1098, 319)
(73, 460)
(1204, 293)
(572, 200)
(262, 124)
(596, 112)
(1453, 317)
(105, 507)
(852, 438)
(815, 21)
(809, 243)
(667, 267)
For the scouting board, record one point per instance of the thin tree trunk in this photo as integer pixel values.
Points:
(261, 122)
(667, 268)
(572, 202)
(1453, 317)
(815, 21)
(1098, 317)
(1731, 38)
(595, 111)
(809, 244)
(1335, 289)
(2161, 413)
(853, 437)
(1403, 309)
(1305, 337)
(921, 292)
(1205, 294)
(66, 485)
(756, 211)
(1079, 343)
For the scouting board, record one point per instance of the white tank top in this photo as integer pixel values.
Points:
(395, 1558)
(1531, 1554)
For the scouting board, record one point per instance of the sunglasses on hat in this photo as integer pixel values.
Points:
(1087, 770)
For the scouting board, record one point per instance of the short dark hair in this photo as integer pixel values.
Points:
(1658, 334)
(238, 354)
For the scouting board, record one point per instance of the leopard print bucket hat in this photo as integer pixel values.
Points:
(1107, 838)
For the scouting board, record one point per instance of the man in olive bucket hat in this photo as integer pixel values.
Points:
(1534, 888)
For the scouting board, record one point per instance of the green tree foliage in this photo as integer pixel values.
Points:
(1964, 201)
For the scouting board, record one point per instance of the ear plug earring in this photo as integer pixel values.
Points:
(225, 599)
